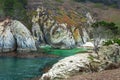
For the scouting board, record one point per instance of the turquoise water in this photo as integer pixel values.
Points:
(23, 68)
(62, 52)
(27, 68)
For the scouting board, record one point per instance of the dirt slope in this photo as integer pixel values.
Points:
(104, 75)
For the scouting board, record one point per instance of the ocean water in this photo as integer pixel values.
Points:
(23, 68)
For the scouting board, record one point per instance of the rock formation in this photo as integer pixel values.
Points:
(57, 33)
(51, 32)
(67, 67)
(7, 41)
(15, 36)
(62, 35)
(109, 57)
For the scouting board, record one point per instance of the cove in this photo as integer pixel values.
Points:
(23, 68)
(62, 52)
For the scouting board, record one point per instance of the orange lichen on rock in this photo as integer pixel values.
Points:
(65, 19)
(76, 34)
(71, 17)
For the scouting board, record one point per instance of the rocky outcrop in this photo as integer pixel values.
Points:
(7, 41)
(67, 67)
(62, 35)
(15, 36)
(109, 57)
(22, 35)
(48, 31)
(60, 32)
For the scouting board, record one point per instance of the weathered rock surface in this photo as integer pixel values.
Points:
(60, 32)
(109, 57)
(66, 67)
(22, 35)
(62, 35)
(15, 36)
(88, 45)
(7, 41)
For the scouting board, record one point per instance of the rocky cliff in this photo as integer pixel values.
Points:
(61, 31)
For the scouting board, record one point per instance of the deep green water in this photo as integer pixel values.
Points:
(23, 68)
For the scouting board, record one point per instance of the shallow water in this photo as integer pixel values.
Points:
(62, 52)
(23, 68)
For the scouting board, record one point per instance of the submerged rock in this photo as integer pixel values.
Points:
(15, 36)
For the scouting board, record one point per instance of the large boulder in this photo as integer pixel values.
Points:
(22, 35)
(109, 57)
(15, 36)
(68, 67)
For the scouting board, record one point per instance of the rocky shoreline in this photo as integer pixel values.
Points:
(26, 55)
(78, 64)
(108, 58)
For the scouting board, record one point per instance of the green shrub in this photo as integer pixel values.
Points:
(117, 41)
(109, 42)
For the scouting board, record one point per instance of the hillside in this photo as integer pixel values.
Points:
(98, 10)
(104, 75)
(113, 3)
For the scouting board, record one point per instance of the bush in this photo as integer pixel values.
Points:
(109, 42)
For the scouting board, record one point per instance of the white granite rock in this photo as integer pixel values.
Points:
(67, 67)
(88, 44)
(23, 37)
(14, 35)
(109, 57)
(7, 41)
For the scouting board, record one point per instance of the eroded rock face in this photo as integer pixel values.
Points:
(62, 35)
(56, 31)
(51, 32)
(7, 41)
(25, 41)
(14, 35)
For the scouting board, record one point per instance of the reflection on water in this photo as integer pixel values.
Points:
(22, 68)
